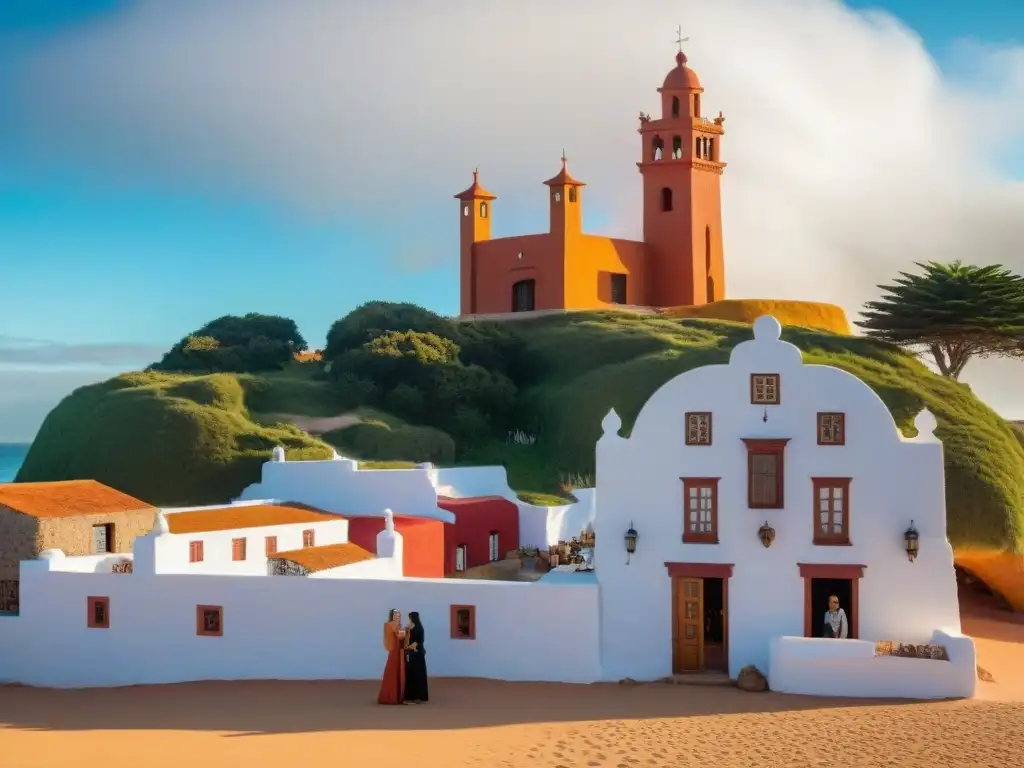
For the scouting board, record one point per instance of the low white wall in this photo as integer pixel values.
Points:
(172, 550)
(464, 482)
(821, 667)
(541, 526)
(84, 563)
(288, 628)
(378, 568)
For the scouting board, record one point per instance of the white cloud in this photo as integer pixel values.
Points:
(849, 155)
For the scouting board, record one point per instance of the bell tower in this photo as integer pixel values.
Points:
(682, 209)
(474, 227)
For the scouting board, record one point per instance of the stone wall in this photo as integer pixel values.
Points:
(73, 535)
(18, 534)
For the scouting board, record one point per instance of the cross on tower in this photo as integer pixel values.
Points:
(679, 37)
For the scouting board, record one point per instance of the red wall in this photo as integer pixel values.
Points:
(475, 519)
(423, 542)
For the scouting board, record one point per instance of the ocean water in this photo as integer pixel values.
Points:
(11, 456)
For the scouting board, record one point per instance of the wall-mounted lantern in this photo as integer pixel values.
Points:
(911, 539)
(631, 536)
(766, 534)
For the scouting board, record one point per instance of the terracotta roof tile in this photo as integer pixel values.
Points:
(315, 559)
(245, 516)
(68, 498)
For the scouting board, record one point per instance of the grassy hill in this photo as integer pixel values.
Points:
(177, 439)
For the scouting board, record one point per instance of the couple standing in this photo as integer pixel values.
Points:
(405, 674)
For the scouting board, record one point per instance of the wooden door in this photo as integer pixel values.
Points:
(687, 625)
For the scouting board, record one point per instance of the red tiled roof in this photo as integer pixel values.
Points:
(245, 516)
(68, 498)
(315, 559)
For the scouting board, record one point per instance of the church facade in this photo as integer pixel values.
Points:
(680, 260)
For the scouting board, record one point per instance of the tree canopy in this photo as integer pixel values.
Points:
(953, 311)
(249, 343)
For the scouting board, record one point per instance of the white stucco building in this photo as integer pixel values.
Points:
(806, 459)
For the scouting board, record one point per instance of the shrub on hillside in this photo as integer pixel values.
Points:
(376, 318)
(378, 441)
(250, 343)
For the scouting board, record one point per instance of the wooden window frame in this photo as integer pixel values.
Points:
(454, 621)
(494, 546)
(711, 426)
(820, 539)
(201, 630)
(465, 557)
(842, 427)
(90, 615)
(771, 446)
(108, 535)
(270, 546)
(308, 538)
(239, 550)
(196, 551)
(778, 389)
(696, 483)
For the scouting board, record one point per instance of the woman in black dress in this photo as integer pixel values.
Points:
(416, 663)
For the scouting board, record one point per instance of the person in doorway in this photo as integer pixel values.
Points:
(836, 625)
(416, 662)
(392, 687)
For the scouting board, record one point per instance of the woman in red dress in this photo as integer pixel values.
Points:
(392, 687)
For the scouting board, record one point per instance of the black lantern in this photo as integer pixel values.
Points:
(911, 538)
(766, 534)
(630, 541)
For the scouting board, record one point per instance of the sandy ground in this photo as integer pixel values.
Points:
(480, 723)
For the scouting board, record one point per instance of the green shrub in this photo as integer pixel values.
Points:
(379, 442)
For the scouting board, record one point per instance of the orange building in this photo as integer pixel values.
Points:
(680, 260)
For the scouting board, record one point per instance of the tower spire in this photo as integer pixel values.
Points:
(680, 57)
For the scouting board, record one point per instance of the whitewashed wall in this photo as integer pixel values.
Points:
(894, 480)
(339, 486)
(172, 550)
(541, 526)
(288, 628)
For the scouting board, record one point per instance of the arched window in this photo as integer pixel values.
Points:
(666, 199)
(675, 106)
(697, 147)
(557, 197)
(523, 296)
(465, 210)
(677, 148)
(657, 146)
(696, 105)
(483, 210)
(711, 149)
(572, 194)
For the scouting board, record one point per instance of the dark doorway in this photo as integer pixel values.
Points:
(714, 625)
(821, 590)
(523, 296)
(619, 289)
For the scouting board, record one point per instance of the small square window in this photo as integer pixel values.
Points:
(764, 389)
(9, 597)
(463, 621)
(103, 538)
(98, 612)
(209, 620)
(195, 551)
(698, 428)
(831, 429)
(308, 538)
(238, 549)
(271, 546)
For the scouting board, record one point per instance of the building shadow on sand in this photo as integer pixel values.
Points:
(279, 707)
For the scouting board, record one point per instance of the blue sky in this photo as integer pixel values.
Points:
(107, 255)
